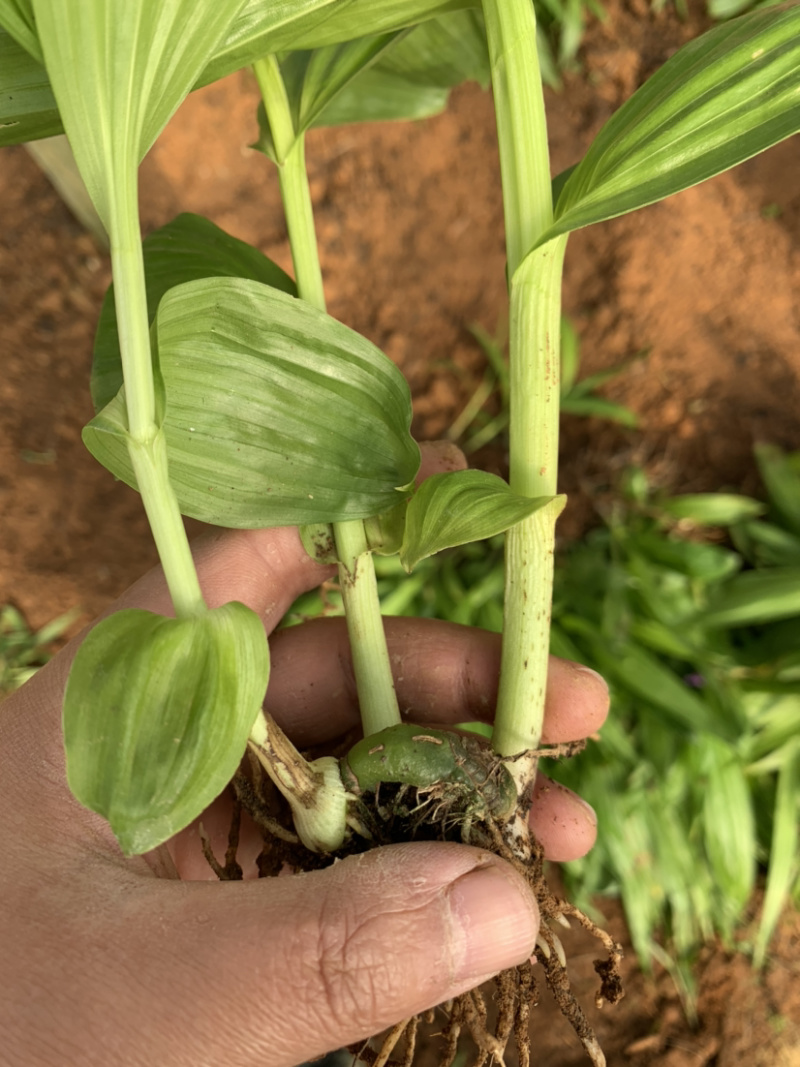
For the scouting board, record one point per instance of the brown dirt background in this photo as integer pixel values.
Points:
(410, 224)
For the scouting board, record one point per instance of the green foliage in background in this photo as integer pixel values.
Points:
(690, 608)
(484, 417)
(695, 778)
(23, 650)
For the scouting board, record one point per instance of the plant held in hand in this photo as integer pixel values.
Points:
(222, 395)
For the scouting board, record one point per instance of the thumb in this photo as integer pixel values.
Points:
(310, 962)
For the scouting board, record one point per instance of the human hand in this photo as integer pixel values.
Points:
(110, 960)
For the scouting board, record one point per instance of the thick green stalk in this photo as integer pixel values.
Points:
(534, 368)
(533, 437)
(146, 444)
(371, 663)
(521, 124)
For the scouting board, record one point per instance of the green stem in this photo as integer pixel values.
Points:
(535, 282)
(371, 663)
(146, 444)
(290, 151)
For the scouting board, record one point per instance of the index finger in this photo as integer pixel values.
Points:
(443, 672)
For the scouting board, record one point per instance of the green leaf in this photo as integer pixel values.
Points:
(784, 853)
(276, 413)
(728, 824)
(16, 17)
(781, 475)
(645, 676)
(318, 77)
(767, 545)
(28, 108)
(156, 716)
(712, 509)
(263, 28)
(719, 100)
(290, 25)
(726, 9)
(188, 248)
(559, 181)
(776, 717)
(662, 639)
(403, 74)
(708, 563)
(598, 407)
(385, 531)
(412, 79)
(452, 509)
(119, 71)
(595, 381)
(312, 79)
(319, 541)
(755, 597)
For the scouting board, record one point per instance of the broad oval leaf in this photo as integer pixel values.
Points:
(461, 506)
(276, 413)
(157, 713)
(719, 100)
(187, 248)
(118, 71)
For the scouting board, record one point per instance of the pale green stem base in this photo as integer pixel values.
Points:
(535, 388)
(315, 792)
(521, 124)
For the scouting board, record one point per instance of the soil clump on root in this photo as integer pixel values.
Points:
(471, 807)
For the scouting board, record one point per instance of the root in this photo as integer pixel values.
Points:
(232, 871)
(402, 813)
(515, 995)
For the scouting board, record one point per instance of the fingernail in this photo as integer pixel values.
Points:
(495, 922)
(583, 669)
(587, 807)
(545, 786)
